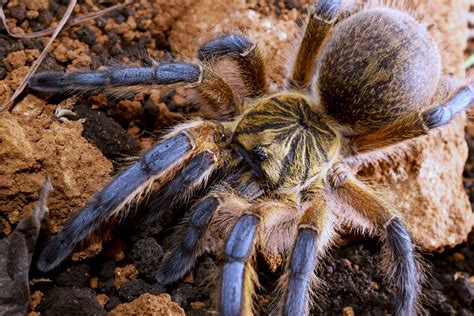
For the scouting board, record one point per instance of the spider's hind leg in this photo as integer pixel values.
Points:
(193, 150)
(320, 23)
(414, 124)
(399, 258)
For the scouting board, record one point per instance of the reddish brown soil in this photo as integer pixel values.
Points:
(122, 126)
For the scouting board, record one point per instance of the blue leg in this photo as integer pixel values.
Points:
(300, 271)
(400, 262)
(189, 243)
(234, 295)
(92, 81)
(398, 256)
(313, 237)
(444, 113)
(161, 163)
(184, 252)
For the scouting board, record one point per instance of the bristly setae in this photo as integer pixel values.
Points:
(269, 169)
(287, 144)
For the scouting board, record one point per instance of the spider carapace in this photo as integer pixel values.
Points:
(271, 171)
(287, 144)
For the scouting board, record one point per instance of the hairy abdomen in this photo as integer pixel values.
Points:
(377, 65)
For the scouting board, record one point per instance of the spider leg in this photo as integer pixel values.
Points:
(321, 21)
(210, 87)
(92, 81)
(314, 235)
(196, 144)
(184, 253)
(191, 234)
(235, 295)
(246, 54)
(415, 124)
(266, 226)
(398, 253)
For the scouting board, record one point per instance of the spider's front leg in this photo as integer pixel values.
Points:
(212, 90)
(188, 155)
(315, 233)
(398, 251)
(262, 225)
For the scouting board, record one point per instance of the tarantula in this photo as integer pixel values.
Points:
(273, 166)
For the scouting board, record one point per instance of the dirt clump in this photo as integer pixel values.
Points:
(150, 305)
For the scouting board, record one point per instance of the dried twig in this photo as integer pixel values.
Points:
(37, 62)
(469, 62)
(470, 21)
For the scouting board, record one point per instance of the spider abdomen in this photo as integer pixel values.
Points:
(377, 65)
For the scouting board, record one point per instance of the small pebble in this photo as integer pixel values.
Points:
(458, 257)
(348, 311)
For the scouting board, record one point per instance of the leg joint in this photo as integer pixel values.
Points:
(338, 176)
(326, 10)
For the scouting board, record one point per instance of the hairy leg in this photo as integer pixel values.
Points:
(314, 234)
(246, 54)
(398, 253)
(238, 273)
(210, 88)
(264, 226)
(190, 240)
(319, 25)
(189, 142)
(414, 124)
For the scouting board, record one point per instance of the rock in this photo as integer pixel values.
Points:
(197, 25)
(88, 250)
(113, 302)
(106, 134)
(31, 106)
(35, 146)
(70, 301)
(148, 304)
(348, 311)
(125, 274)
(35, 299)
(186, 293)
(102, 299)
(77, 276)
(426, 180)
(465, 289)
(147, 255)
(134, 288)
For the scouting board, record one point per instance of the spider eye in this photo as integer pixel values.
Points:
(260, 153)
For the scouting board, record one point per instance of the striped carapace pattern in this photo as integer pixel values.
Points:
(286, 141)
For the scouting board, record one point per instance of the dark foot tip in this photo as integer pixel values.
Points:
(47, 81)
